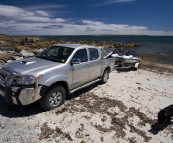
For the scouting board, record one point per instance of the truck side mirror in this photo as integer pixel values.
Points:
(75, 61)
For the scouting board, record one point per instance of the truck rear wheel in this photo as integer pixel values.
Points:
(105, 77)
(53, 98)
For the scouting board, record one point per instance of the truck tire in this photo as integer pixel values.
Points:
(104, 77)
(53, 98)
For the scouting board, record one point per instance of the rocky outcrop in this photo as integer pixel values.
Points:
(131, 44)
(21, 42)
(27, 46)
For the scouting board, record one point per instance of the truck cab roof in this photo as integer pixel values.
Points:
(75, 46)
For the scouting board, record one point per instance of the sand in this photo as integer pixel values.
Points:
(122, 110)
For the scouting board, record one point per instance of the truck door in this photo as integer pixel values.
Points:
(80, 72)
(94, 63)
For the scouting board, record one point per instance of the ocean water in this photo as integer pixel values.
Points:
(158, 47)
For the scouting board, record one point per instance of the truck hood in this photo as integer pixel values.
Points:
(31, 65)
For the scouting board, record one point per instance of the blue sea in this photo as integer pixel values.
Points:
(160, 47)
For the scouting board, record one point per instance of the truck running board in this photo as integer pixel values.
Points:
(83, 86)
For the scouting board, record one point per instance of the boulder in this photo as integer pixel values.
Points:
(2, 52)
(5, 56)
(19, 58)
(19, 48)
(9, 61)
(26, 54)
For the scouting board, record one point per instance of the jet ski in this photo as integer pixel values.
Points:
(118, 55)
(130, 59)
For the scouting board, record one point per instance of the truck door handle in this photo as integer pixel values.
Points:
(86, 66)
(99, 62)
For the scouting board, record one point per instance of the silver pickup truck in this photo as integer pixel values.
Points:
(53, 74)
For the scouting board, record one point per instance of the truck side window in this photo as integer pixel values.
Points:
(81, 55)
(93, 54)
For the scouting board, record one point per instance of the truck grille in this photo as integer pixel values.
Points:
(1, 91)
(4, 76)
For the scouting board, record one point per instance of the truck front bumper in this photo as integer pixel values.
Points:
(20, 95)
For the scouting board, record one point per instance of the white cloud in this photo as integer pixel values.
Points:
(12, 11)
(16, 21)
(42, 13)
(108, 2)
(59, 20)
(44, 7)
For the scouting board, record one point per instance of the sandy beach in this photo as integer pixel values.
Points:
(122, 110)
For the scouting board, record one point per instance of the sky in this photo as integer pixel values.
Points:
(86, 17)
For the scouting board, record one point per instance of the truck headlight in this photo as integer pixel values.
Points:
(26, 80)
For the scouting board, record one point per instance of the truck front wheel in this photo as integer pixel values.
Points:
(53, 98)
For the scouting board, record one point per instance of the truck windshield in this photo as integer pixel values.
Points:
(56, 53)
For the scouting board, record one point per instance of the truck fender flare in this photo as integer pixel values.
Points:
(105, 68)
(53, 80)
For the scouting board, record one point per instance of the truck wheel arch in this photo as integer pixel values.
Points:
(45, 88)
(107, 68)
